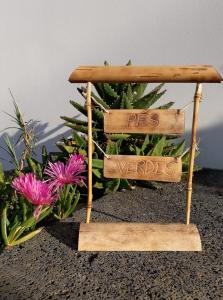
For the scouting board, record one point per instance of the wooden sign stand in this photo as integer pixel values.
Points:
(139, 236)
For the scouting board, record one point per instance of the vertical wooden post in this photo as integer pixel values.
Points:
(197, 99)
(89, 115)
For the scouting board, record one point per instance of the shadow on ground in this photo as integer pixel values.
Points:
(65, 232)
(210, 178)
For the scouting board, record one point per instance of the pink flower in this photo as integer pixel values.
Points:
(35, 191)
(69, 173)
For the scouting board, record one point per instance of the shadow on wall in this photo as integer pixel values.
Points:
(43, 137)
(210, 145)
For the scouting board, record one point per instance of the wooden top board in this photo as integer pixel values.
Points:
(184, 73)
(153, 121)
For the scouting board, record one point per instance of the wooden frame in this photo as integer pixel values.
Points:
(100, 237)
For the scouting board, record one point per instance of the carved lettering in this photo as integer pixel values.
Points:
(132, 120)
(143, 167)
(153, 121)
(121, 166)
(143, 120)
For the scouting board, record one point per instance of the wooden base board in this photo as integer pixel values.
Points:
(138, 237)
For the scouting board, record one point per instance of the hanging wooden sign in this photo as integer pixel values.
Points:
(153, 121)
(143, 167)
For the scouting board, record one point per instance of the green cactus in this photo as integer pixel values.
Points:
(115, 96)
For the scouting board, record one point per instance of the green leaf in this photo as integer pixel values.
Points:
(26, 237)
(129, 93)
(97, 163)
(157, 150)
(31, 164)
(44, 155)
(116, 104)
(11, 151)
(23, 205)
(97, 114)
(137, 150)
(66, 149)
(145, 143)
(44, 213)
(138, 90)
(98, 185)
(81, 128)
(124, 184)
(166, 106)
(80, 141)
(112, 185)
(179, 149)
(100, 89)
(82, 151)
(74, 121)
(4, 225)
(39, 171)
(110, 91)
(112, 147)
(117, 136)
(129, 63)
(82, 109)
(72, 208)
(97, 173)
(2, 176)
(14, 231)
(99, 100)
(29, 222)
(125, 102)
(149, 99)
(185, 158)
(149, 184)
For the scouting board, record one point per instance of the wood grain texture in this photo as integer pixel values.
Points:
(184, 73)
(157, 168)
(138, 237)
(153, 121)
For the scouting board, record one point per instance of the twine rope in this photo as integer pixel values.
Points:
(106, 155)
(185, 107)
(99, 104)
(94, 100)
(196, 148)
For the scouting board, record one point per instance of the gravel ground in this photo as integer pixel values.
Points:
(50, 267)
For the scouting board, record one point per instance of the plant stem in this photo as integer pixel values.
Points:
(4, 225)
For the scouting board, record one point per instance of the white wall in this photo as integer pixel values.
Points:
(41, 42)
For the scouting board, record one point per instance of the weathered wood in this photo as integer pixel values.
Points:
(143, 167)
(153, 121)
(191, 73)
(197, 99)
(138, 237)
(89, 115)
